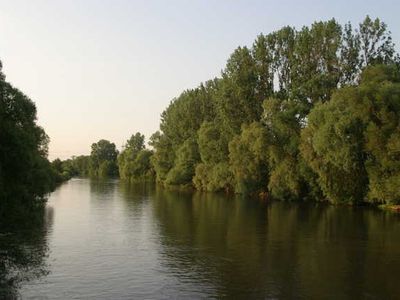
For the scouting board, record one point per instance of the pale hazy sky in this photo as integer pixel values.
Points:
(106, 69)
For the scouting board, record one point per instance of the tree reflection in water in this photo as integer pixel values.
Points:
(242, 248)
(23, 248)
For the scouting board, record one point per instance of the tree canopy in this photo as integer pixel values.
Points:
(310, 113)
(26, 175)
(284, 119)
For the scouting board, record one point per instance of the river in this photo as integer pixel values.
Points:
(112, 240)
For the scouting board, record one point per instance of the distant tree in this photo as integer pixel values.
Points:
(134, 160)
(136, 142)
(57, 165)
(103, 159)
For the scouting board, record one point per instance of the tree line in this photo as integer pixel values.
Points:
(301, 114)
(310, 113)
(131, 164)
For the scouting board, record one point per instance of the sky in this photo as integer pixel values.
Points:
(107, 69)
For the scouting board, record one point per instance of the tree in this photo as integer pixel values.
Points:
(264, 97)
(134, 160)
(283, 46)
(25, 173)
(376, 43)
(248, 159)
(283, 120)
(236, 100)
(263, 56)
(213, 177)
(213, 173)
(187, 158)
(316, 70)
(179, 124)
(382, 135)
(213, 145)
(164, 156)
(136, 142)
(103, 158)
(350, 60)
(350, 142)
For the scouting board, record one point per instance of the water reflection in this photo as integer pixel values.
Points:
(112, 240)
(239, 248)
(101, 188)
(23, 249)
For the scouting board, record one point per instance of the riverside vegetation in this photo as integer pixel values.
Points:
(26, 175)
(303, 114)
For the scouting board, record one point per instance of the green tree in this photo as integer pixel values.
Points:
(214, 177)
(350, 60)
(26, 175)
(187, 157)
(263, 56)
(282, 48)
(283, 120)
(349, 141)
(236, 100)
(382, 136)
(164, 156)
(134, 160)
(248, 159)
(103, 159)
(213, 173)
(316, 69)
(276, 83)
(180, 123)
(376, 42)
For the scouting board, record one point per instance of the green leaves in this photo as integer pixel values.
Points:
(187, 156)
(25, 173)
(134, 161)
(248, 159)
(348, 140)
(103, 159)
(376, 43)
(270, 123)
(284, 120)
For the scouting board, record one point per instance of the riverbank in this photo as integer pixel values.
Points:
(390, 207)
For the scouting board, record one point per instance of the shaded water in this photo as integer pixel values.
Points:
(110, 240)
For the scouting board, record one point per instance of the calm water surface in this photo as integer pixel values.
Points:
(110, 240)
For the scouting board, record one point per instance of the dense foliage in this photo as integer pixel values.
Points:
(77, 166)
(310, 113)
(134, 160)
(104, 161)
(25, 173)
(353, 141)
(302, 114)
(101, 163)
